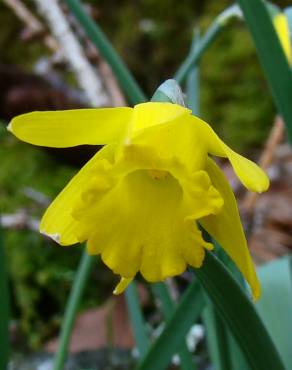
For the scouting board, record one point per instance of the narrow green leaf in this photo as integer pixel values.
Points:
(161, 293)
(237, 358)
(271, 55)
(137, 320)
(230, 355)
(225, 351)
(239, 314)
(80, 280)
(206, 40)
(170, 340)
(4, 310)
(95, 34)
(217, 338)
(192, 83)
(196, 53)
(275, 304)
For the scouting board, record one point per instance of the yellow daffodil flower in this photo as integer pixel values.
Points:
(282, 28)
(137, 202)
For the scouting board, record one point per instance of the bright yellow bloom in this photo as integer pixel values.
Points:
(138, 200)
(281, 25)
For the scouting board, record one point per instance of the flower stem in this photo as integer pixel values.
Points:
(192, 83)
(196, 53)
(4, 310)
(95, 34)
(80, 279)
(213, 31)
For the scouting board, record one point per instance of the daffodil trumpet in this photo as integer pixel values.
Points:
(138, 201)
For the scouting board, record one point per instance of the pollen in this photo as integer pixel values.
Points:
(158, 174)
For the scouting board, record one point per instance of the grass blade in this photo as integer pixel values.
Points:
(271, 55)
(137, 320)
(239, 314)
(95, 34)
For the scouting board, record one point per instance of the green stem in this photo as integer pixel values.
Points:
(95, 34)
(196, 53)
(4, 310)
(271, 55)
(80, 280)
(137, 320)
(168, 307)
(192, 83)
(213, 31)
(177, 327)
(239, 314)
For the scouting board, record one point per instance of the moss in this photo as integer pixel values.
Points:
(23, 166)
(41, 272)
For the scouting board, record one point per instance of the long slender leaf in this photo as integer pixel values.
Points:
(237, 359)
(169, 342)
(217, 338)
(206, 40)
(225, 351)
(239, 314)
(271, 55)
(4, 310)
(161, 292)
(95, 34)
(221, 344)
(192, 83)
(80, 279)
(275, 304)
(137, 320)
(196, 53)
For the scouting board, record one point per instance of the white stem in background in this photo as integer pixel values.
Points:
(31, 22)
(86, 75)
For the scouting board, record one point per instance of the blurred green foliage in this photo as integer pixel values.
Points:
(153, 37)
(41, 271)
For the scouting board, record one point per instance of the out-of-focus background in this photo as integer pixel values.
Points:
(153, 38)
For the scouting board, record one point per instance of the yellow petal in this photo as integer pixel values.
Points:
(153, 113)
(282, 28)
(188, 139)
(72, 127)
(178, 140)
(251, 175)
(122, 285)
(57, 221)
(227, 230)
